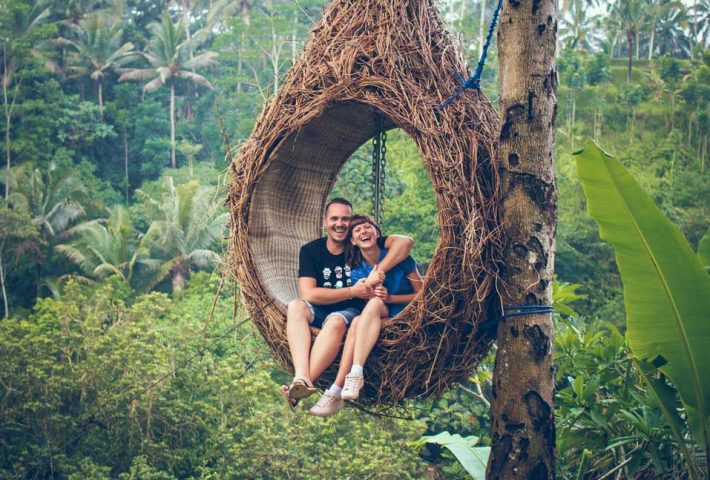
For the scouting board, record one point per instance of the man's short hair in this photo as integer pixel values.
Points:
(338, 200)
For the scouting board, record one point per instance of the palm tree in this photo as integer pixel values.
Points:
(578, 29)
(659, 15)
(701, 20)
(97, 49)
(17, 27)
(189, 221)
(104, 247)
(167, 55)
(630, 16)
(50, 196)
(17, 237)
(671, 25)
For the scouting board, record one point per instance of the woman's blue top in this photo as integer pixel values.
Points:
(396, 281)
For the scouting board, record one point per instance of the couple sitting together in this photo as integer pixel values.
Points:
(348, 283)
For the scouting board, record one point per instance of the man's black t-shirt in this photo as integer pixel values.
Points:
(330, 271)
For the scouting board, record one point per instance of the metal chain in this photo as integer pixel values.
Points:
(379, 153)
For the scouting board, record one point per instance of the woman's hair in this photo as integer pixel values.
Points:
(352, 253)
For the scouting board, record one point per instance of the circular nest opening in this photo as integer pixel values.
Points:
(400, 69)
(287, 206)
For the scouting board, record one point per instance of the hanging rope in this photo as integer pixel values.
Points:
(379, 153)
(475, 80)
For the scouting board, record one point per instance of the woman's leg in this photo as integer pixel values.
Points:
(346, 359)
(368, 330)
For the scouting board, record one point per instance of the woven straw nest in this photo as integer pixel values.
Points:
(367, 59)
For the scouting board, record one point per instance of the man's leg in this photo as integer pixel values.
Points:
(298, 332)
(327, 344)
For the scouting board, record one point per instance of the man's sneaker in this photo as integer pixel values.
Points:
(327, 405)
(353, 384)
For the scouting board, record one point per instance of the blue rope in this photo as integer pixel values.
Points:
(475, 80)
(520, 310)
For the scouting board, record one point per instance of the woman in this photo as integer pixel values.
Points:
(389, 297)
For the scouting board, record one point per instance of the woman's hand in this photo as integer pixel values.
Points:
(375, 277)
(382, 293)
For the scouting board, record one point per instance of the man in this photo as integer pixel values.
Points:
(330, 301)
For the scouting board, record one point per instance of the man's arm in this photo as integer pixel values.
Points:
(398, 248)
(309, 292)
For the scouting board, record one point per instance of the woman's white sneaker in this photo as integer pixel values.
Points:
(327, 405)
(353, 384)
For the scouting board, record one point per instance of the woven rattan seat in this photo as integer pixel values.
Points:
(365, 59)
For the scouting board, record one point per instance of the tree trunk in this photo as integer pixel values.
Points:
(574, 115)
(672, 111)
(630, 46)
(8, 121)
(523, 421)
(178, 281)
(8, 155)
(656, 3)
(101, 99)
(124, 134)
(638, 42)
(240, 53)
(172, 124)
(2, 282)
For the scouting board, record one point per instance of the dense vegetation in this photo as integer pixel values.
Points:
(112, 229)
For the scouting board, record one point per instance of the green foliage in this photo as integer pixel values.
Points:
(473, 459)
(704, 250)
(410, 205)
(187, 226)
(666, 291)
(104, 248)
(603, 406)
(74, 382)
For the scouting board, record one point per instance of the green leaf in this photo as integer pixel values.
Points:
(704, 250)
(473, 459)
(666, 289)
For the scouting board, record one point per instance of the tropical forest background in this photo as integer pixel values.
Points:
(123, 353)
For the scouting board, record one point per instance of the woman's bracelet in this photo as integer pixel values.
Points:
(350, 291)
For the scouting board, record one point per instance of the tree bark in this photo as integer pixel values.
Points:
(101, 99)
(172, 124)
(630, 46)
(8, 122)
(124, 134)
(240, 53)
(2, 283)
(523, 422)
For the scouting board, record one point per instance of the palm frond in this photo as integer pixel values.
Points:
(133, 74)
(153, 85)
(194, 78)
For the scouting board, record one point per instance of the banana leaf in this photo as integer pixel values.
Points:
(666, 288)
(472, 458)
(704, 250)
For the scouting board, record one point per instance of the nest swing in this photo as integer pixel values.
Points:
(368, 60)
